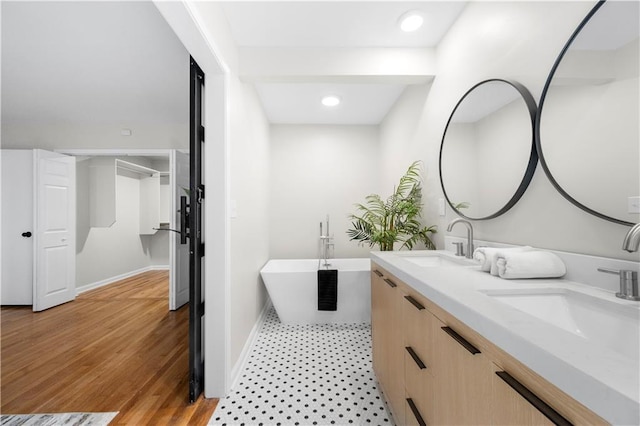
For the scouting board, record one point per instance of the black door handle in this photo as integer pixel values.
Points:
(167, 229)
(26, 234)
(184, 220)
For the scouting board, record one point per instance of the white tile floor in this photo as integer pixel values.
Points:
(306, 375)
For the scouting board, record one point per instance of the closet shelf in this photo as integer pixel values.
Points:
(136, 168)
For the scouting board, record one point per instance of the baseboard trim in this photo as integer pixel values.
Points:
(251, 340)
(159, 267)
(111, 280)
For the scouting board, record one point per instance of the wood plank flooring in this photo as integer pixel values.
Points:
(116, 348)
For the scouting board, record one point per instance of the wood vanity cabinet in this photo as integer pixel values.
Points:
(435, 370)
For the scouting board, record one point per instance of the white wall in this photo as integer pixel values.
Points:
(319, 170)
(512, 40)
(159, 242)
(250, 227)
(118, 249)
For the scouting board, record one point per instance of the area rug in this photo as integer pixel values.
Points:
(57, 419)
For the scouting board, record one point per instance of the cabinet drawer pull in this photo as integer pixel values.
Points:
(378, 273)
(391, 283)
(458, 338)
(416, 358)
(539, 404)
(415, 412)
(414, 302)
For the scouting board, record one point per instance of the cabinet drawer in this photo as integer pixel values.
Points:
(419, 387)
(418, 328)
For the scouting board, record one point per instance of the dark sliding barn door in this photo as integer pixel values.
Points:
(196, 246)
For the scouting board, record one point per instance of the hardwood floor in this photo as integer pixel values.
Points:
(116, 348)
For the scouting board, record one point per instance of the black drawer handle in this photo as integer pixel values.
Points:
(415, 412)
(391, 283)
(416, 358)
(414, 302)
(539, 404)
(458, 338)
(378, 273)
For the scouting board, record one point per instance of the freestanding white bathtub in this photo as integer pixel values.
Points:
(292, 287)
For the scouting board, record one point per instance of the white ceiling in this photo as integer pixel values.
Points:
(339, 25)
(59, 59)
(300, 102)
(112, 63)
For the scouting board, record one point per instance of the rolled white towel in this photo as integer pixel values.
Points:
(486, 256)
(529, 264)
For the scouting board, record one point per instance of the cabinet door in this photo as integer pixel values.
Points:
(388, 349)
(377, 324)
(462, 377)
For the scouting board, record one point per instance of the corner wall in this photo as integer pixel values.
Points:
(511, 40)
(319, 170)
(119, 249)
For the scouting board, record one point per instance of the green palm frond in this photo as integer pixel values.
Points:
(394, 219)
(462, 205)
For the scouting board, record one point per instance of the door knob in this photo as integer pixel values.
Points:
(26, 234)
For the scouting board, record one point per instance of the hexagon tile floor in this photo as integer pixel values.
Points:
(319, 374)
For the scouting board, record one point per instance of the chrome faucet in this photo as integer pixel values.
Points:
(632, 239)
(326, 244)
(469, 253)
(628, 279)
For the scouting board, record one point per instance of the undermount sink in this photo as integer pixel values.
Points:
(431, 259)
(613, 325)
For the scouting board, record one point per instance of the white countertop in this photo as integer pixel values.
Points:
(606, 382)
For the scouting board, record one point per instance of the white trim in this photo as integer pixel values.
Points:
(135, 168)
(111, 280)
(187, 25)
(115, 152)
(251, 340)
(159, 268)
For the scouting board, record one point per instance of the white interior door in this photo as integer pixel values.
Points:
(16, 287)
(55, 230)
(179, 253)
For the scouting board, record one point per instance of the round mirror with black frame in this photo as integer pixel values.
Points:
(587, 127)
(488, 155)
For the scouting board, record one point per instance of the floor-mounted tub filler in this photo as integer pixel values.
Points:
(293, 289)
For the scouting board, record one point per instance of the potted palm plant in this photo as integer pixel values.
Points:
(394, 220)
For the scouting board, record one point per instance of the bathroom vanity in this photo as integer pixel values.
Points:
(454, 345)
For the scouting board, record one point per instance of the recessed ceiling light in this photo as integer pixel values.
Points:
(411, 21)
(330, 101)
